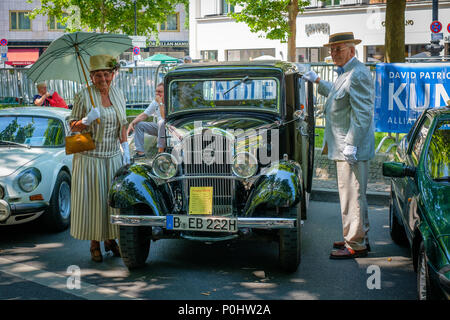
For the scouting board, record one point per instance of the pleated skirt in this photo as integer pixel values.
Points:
(90, 213)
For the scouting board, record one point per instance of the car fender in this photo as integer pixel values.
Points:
(60, 162)
(133, 185)
(279, 185)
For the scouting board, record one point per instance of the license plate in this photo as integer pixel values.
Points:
(194, 223)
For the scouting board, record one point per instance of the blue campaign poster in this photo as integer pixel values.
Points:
(403, 91)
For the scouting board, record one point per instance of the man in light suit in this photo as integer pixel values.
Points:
(349, 140)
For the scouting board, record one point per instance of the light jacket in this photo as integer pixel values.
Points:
(349, 112)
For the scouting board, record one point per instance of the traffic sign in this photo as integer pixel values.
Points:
(139, 41)
(436, 26)
(448, 27)
(437, 36)
(3, 49)
(3, 42)
(136, 50)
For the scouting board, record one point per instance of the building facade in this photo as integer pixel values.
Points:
(215, 36)
(27, 39)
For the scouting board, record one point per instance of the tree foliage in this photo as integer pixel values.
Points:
(395, 31)
(277, 19)
(115, 16)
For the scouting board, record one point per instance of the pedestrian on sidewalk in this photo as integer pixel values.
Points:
(155, 109)
(349, 140)
(93, 171)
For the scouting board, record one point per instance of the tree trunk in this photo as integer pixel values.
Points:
(293, 12)
(395, 31)
(103, 23)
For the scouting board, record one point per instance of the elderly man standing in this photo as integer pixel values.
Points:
(349, 140)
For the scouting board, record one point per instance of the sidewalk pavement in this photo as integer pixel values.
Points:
(378, 192)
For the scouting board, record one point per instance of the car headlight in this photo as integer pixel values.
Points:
(165, 166)
(29, 179)
(244, 165)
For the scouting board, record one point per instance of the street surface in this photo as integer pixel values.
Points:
(35, 265)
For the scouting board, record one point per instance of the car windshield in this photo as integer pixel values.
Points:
(240, 93)
(32, 131)
(438, 157)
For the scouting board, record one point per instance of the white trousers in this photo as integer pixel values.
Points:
(352, 185)
(151, 128)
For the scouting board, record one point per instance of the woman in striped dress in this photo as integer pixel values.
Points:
(94, 170)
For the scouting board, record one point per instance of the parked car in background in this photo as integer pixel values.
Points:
(238, 162)
(419, 211)
(35, 172)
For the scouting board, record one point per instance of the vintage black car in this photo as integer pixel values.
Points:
(238, 162)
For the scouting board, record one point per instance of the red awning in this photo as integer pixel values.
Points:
(22, 57)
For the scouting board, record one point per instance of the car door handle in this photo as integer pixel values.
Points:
(302, 132)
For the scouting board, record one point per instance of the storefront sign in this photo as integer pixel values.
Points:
(403, 91)
(317, 28)
(407, 23)
(170, 44)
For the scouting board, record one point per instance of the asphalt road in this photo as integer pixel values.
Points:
(34, 265)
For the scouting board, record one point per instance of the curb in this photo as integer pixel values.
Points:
(332, 195)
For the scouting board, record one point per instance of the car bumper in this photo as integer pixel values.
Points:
(12, 213)
(160, 221)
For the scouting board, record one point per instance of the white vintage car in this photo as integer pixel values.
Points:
(35, 172)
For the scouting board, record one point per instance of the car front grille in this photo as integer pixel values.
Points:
(198, 167)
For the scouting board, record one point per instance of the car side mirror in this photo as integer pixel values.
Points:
(398, 170)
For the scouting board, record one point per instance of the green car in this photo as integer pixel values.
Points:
(419, 211)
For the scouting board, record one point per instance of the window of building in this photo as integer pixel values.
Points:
(332, 2)
(209, 55)
(376, 53)
(248, 54)
(312, 54)
(18, 20)
(54, 25)
(172, 23)
(226, 7)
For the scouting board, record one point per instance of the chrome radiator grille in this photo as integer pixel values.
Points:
(198, 167)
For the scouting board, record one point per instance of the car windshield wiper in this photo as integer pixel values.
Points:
(243, 80)
(447, 178)
(11, 143)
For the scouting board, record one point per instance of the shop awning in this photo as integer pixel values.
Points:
(22, 57)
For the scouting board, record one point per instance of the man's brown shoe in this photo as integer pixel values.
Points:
(347, 253)
(341, 245)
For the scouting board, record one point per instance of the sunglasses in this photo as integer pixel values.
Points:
(338, 49)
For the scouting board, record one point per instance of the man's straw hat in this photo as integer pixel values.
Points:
(343, 37)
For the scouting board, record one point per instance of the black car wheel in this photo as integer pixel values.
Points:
(290, 244)
(425, 289)
(396, 230)
(134, 243)
(57, 217)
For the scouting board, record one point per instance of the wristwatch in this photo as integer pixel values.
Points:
(161, 104)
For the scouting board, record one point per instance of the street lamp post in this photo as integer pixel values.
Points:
(434, 47)
(135, 19)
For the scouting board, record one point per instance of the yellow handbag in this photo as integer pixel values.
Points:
(79, 143)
